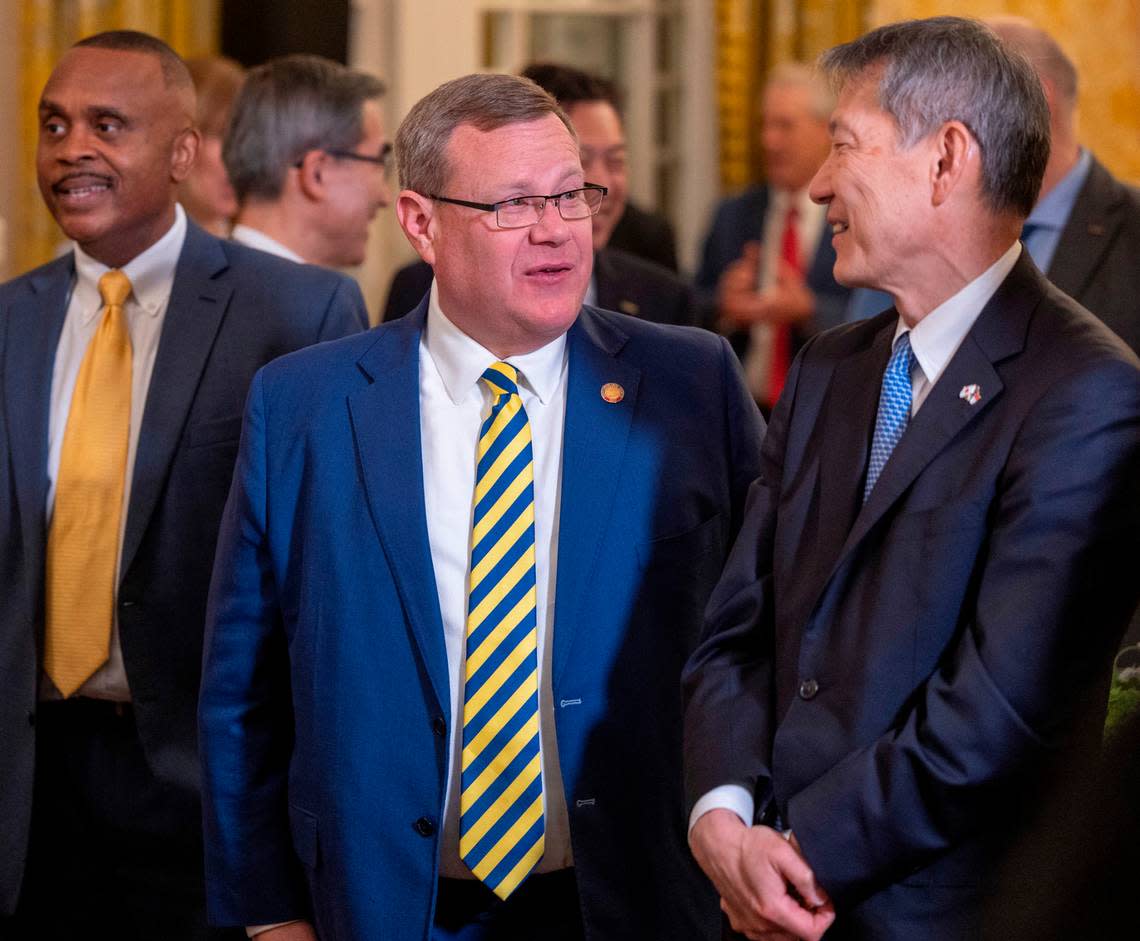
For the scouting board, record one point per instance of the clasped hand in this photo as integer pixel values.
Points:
(740, 304)
(766, 887)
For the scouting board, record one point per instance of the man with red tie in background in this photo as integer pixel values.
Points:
(766, 267)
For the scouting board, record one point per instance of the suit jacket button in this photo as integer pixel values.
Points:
(439, 726)
(808, 689)
(425, 826)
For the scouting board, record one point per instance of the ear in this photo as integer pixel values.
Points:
(184, 153)
(416, 214)
(309, 173)
(957, 158)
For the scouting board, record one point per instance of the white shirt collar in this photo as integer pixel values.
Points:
(255, 238)
(936, 338)
(151, 272)
(460, 360)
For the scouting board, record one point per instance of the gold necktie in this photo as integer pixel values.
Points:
(83, 541)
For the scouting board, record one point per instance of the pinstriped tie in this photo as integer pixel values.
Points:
(500, 804)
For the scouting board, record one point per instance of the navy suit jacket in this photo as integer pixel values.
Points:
(325, 706)
(1098, 256)
(625, 283)
(893, 679)
(231, 310)
(740, 219)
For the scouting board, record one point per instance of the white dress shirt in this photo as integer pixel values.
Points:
(810, 219)
(152, 276)
(255, 238)
(934, 340)
(453, 406)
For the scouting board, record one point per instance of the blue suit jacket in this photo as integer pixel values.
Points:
(740, 219)
(325, 700)
(231, 310)
(895, 678)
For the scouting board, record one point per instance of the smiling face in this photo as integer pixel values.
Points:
(601, 143)
(355, 191)
(878, 195)
(511, 290)
(114, 142)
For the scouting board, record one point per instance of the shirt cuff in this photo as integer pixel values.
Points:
(254, 930)
(732, 797)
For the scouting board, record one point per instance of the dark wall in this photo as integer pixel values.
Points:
(256, 30)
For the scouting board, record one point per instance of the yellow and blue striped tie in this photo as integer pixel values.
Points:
(500, 805)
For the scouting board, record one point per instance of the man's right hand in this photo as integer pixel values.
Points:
(294, 931)
(752, 868)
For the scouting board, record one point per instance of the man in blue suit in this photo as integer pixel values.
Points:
(462, 565)
(765, 271)
(125, 364)
(914, 632)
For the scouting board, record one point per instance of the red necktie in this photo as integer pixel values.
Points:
(782, 335)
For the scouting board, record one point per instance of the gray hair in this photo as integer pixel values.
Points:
(1042, 50)
(287, 107)
(800, 75)
(948, 68)
(487, 102)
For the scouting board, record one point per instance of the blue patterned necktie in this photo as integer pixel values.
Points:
(501, 832)
(894, 410)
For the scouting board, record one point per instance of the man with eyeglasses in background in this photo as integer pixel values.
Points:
(306, 154)
(464, 560)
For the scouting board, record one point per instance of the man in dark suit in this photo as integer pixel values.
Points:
(461, 568)
(916, 625)
(765, 277)
(125, 364)
(1084, 231)
(623, 280)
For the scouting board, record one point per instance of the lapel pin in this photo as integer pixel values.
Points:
(971, 394)
(629, 307)
(612, 393)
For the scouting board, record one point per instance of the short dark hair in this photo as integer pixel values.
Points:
(174, 71)
(948, 68)
(287, 107)
(570, 86)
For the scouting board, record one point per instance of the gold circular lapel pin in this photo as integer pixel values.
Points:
(613, 393)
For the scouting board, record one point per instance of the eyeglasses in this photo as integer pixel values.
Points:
(523, 211)
(380, 159)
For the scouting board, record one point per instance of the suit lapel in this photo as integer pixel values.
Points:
(386, 428)
(853, 404)
(593, 449)
(35, 321)
(1089, 231)
(197, 306)
(998, 333)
